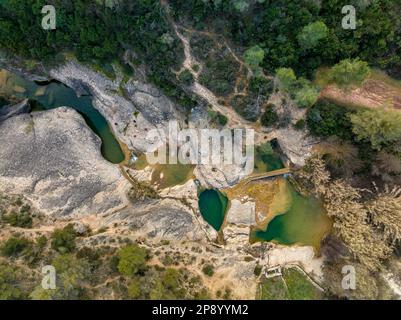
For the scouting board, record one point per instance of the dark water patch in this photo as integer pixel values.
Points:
(55, 94)
(213, 206)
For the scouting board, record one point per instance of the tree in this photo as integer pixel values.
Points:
(63, 240)
(253, 58)
(8, 283)
(241, 5)
(311, 34)
(186, 77)
(208, 270)
(15, 246)
(349, 214)
(269, 117)
(306, 96)
(378, 126)
(132, 260)
(134, 288)
(72, 273)
(286, 78)
(328, 119)
(348, 73)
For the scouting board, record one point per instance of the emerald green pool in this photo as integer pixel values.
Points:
(266, 158)
(213, 206)
(54, 95)
(306, 222)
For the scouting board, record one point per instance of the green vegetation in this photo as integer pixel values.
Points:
(132, 260)
(21, 220)
(300, 124)
(311, 34)
(15, 246)
(8, 281)
(378, 126)
(348, 73)
(253, 58)
(286, 77)
(269, 118)
(292, 285)
(208, 270)
(217, 117)
(328, 119)
(303, 92)
(92, 33)
(299, 287)
(273, 289)
(281, 26)
(186, 77)
(63, 240)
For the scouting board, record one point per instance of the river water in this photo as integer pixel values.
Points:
(53, 95)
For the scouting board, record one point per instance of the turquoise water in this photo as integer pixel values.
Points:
(55, 95)
(213, 206)
(306, 222)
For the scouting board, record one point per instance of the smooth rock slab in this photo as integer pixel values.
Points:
(54, 159)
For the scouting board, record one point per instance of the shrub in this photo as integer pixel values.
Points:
(8, 278)
(300, 124)
(186, 77)
(15, 246)
(208, 270)
(269, 117)
(63, 240)
(349, 73)
(328, 119)
(21, 220)
(132, 260)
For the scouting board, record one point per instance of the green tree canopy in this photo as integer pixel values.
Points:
(253, 58)
(311, 34)
(349, 73)
(132, 260)
(63, 240)
(286, 78)
(8, 280)
(307, 95)
(378, 126)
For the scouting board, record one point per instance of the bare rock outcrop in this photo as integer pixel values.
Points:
(54, 159)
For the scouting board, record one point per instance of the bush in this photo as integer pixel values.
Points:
(300, 124)
(186, 77)
(63, 240)
(132, 260)
(269, 117)
(8, 279)
(15, 246)
(134, 289)
(208, 270)
(21, 220)
(349, 73)
(328, 119)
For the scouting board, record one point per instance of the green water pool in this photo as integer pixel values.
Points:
(306, 223)
(53, 95)
(213, 206)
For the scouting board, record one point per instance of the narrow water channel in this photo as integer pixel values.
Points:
(54, 95)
